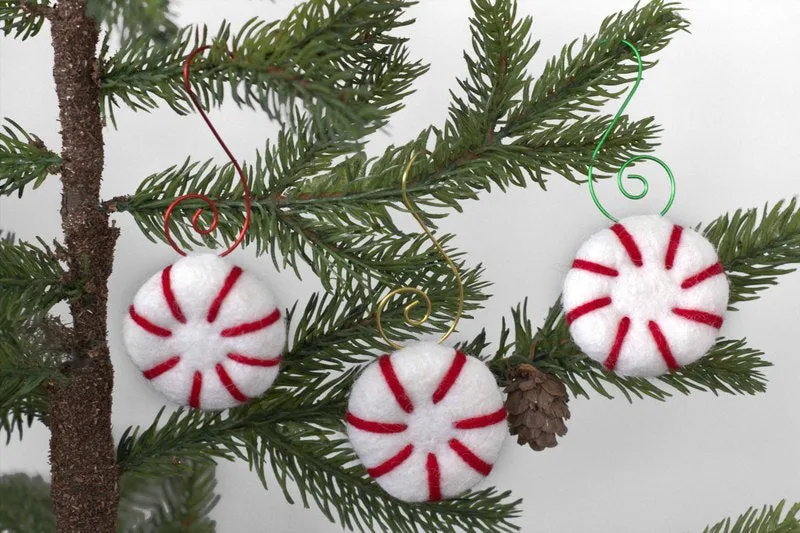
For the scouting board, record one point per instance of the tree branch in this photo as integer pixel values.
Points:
(85, 483)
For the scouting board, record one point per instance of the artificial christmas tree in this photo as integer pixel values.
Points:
(332, 73)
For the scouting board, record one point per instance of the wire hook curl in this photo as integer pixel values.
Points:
(422, 295)
(210, 204)
(641, 179)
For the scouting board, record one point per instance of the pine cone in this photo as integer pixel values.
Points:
(537, 407)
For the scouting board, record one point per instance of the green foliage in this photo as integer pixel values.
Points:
(769, 519)
(729, 367)
(332, 55)
(24, 159)
(756, 250)
(602, 68)
(336, 244)
(28, 359)
(174, 503)
(25, 505)
(31, 280)
(303, 446)
(30, 354)
(148, 20)
(323, 469)
(22, 18)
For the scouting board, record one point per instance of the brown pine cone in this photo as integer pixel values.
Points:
(537, 407)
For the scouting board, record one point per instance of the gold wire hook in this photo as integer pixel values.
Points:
(422, 294)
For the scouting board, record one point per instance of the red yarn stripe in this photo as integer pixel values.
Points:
(672, 249)
(394, 384)
(663, 345)
(149, 326)
(587, 308)
(169, 296)
(253, 361)
(710, 319)
(392, 463)
(482, 421)
(434, 479)
(627, 241)
(226, 380)
(213, 311)
(710, 272)
(374, 427)
(596, 268)
(613, 355)
(250, 327)
(450, 378)
(197, 384)
(163, 366)
(475, 462)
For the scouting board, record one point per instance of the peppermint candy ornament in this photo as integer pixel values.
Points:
(645, 296)
(205, 333)
(427, 422)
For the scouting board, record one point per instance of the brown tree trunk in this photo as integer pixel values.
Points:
(85, 482)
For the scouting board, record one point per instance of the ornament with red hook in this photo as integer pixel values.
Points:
(203, 332)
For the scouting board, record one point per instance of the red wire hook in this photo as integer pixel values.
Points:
(208, 201)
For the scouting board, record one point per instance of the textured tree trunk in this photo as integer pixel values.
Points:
(85, 482)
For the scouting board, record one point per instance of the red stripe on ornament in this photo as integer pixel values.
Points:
(709, 319)
(483, 420)
(450, 378)
(391, 463)
(672, 248)
(587, 308)
(434, 478)
(163, 366)
(230, 281)
(385, 364)
(475, 462)
(250, 327)
(226, 380)
(628, 242)
(700, 277)
(197, 385)
(596, 268)
(169, 296)
(662, 344)
(253, 361)
(149, 326)
(374, 427)
(613, 356)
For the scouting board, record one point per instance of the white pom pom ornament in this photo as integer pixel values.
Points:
(205, 333)
(645, 296)
(427, 421)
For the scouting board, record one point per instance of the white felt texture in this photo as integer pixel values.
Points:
(199, 342)
(647, 293)
(420, 369)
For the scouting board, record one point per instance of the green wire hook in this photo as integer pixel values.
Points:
(634, 159)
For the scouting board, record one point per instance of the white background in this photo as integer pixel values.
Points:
(727, 96)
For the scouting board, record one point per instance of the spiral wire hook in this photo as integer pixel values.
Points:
(634, 159)
(414, 322)
(187, 65)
